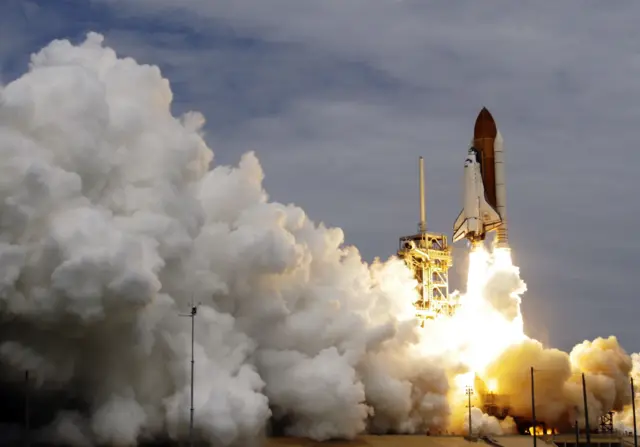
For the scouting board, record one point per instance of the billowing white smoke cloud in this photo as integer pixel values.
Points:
(558, 381)
(503, 290)
(485, 425)
(111, 223)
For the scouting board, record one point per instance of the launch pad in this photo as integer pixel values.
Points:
(428, 255)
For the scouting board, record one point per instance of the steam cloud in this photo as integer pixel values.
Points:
(558, 381)
(112, 223)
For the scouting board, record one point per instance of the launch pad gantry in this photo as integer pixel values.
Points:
(428, 255)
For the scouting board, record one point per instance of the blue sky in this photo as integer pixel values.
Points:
(339, 98)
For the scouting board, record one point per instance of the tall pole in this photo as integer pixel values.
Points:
(586, 411)
(423, 214)
(577, 427)
(533, 410)
(194, 310)
(27, 428)
(192, 315)
(633, 406)
(469, 393)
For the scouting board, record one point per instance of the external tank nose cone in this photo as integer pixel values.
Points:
(485, 125)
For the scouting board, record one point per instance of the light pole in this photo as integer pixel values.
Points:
(533, 409)
(192, 315)
(587, 429)
(469, 392)
(27, 428)
(633, 406)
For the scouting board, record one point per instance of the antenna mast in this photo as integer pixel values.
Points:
(192, 315)
(423, 213)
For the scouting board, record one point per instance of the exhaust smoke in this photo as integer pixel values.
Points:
(112, 222)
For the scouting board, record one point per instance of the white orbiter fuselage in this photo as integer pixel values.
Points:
(477, 217)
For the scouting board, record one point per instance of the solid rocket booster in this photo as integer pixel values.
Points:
(502, 236)
(484, 206)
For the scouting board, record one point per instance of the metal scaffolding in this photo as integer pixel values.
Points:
(428, 255)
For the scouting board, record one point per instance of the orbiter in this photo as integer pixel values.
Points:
(484, 202)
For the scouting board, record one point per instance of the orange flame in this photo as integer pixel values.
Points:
(541, 432)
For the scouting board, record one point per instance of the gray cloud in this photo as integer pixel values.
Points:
(339, 98)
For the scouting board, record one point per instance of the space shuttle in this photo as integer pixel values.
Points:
(484, 201)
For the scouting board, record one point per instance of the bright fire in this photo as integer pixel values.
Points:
(478, 333)
(487, 323)
(540, 431)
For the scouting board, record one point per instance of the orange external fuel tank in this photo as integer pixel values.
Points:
(484, 136)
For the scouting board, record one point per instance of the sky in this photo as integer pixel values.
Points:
(339, 98)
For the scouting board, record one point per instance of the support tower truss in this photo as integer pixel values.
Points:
(429, 257)
(606, 423)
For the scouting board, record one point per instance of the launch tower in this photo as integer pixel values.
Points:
(428, 255)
